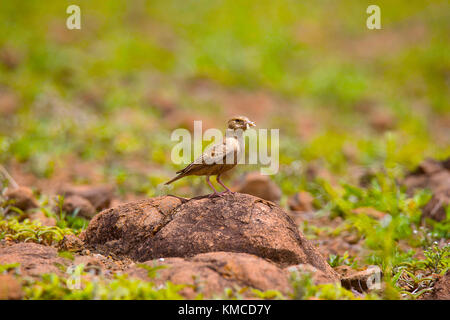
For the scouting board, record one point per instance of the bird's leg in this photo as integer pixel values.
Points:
(221, 183)
(212, 187)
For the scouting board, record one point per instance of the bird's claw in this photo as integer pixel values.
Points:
(213, 195)
(221, 194)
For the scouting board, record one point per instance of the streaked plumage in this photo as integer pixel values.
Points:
(213, 162)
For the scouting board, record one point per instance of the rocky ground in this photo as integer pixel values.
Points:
(238, 243)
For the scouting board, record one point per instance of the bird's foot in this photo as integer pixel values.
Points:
(214, 195)
(228, 191)
(218, 194)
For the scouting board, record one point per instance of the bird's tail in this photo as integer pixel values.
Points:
(174, 179)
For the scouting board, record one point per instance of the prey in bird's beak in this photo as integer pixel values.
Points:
(249, 124)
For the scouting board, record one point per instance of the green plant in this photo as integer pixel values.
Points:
(67, 219)
(337, 260)
(152, 271)
(4, 268)
(31, 231)
(304, 289)
(54, 287)
(268, 294)
(416, 277)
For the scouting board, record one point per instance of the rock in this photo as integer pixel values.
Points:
(446, 163)
(34, 259)
(434, 175)
(42, 218)
(344, 270)
(435, 208)
(99, 196)
(260, 186)
(301, 201)
(72, 243)
(339, 246)
(318, 276)
(315, 170)
(85, 208)
(172, 227)
(10, 288)
(163, 103)
(369, 211)
(10, 57)
(94, 265)
(22, 198)
(381, 120)
(9, 102)
(210, 273)
(362, 281)
(351, 238)
(428, 166)
(441, 289)
(365, 177)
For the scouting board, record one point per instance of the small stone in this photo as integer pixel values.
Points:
(9, 103)
(71, 243)
(317, 276)
(369, 211)
(435, 176)
(352, 238)
(42, 218)
(363, 281)
(72, 203)
(259, 185)
(301, 202)
(99, 196)
(22, 198)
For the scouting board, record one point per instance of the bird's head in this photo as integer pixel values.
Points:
(240, 122)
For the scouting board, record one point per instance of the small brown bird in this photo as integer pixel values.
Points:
(216, 159)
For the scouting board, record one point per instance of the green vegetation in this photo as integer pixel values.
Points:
(304, 288)
(31, 231)
(53, 287)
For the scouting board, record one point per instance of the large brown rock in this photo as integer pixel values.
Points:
(210, 273)
(172, 227)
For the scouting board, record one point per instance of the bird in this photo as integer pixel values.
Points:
(213, 162)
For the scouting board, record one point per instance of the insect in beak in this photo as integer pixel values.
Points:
(250, 124)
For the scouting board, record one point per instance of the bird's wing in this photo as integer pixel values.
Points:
(216, 154)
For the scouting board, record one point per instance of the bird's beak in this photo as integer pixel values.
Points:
(250, 124)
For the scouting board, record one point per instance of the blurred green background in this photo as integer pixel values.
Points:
(99, 104)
